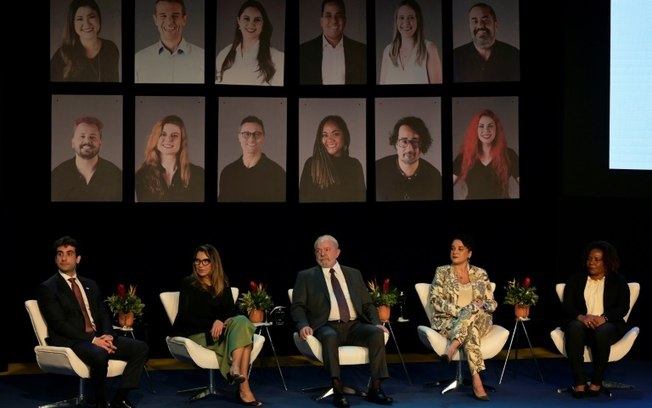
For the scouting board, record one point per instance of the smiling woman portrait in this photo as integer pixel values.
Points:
(410, 58)
(331, 174)
(250, 59)
(83, 55)
(167, 174)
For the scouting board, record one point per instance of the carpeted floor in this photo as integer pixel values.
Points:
(25, 386)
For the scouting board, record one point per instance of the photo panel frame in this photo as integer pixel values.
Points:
(483, 182)
(67, 142)
(255, 187)
(392, 184)
(149, 110)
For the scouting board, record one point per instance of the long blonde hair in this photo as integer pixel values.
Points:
(422, 52)
(153, 157)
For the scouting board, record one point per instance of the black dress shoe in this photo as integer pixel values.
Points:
(579, 394)
(480, 397)
(589, 393)
(239, 400)
(101, 404)
(235, 378)
(378, 396)
(340, 401)
(121, 404)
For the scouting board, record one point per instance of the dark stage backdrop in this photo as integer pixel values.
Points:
(539, 235)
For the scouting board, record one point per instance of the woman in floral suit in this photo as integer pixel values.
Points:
(463, 301)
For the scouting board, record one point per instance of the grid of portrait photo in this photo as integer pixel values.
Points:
(276, 101)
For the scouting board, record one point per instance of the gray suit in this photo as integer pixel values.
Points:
(311, 307)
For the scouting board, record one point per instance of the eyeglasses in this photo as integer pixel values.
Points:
(203, 262)
(403, 142)
(248, 135)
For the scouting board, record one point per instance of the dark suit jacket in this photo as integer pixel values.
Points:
(355, 62)
(64, 316)
(311, 302)
(615, 299)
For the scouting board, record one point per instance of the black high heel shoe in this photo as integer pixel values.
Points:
(578, 394)
(235, 378)
(239, 400)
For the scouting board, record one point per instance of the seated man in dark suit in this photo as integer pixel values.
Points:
(331, 302)
(332, 58)
(76, 315)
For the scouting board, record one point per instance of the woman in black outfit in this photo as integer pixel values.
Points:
(595, 304)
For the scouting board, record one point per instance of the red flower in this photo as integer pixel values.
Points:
(526, 283)
(253, 286)
(122, 291)
(386, 285)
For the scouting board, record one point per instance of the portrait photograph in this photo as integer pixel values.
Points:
(486, 48)
(250, 42)
(252, 149)
(332, 44)
(169, 148)
(332, 150)
(408, 173)
(85, 40)
(164, 55)
(86, 146)
(410, 51)
(485, 133)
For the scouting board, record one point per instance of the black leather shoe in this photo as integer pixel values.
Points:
(239, 400)
(340, 401)
(579, 394)
(589, 393)
(122, 404)
(378, 396)
(101, 404)
(480, 397)
(235, 378)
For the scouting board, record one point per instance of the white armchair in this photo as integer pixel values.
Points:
(187, 351)
(62, 360)
(492, 343)
(618, 349)
(348, 355)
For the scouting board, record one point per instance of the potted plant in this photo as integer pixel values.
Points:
(384, 297)
(255, 302)
(522, 295)
(125, 305)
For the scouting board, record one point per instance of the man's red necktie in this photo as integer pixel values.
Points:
(87, 320)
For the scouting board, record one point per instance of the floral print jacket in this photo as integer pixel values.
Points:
(445, 290)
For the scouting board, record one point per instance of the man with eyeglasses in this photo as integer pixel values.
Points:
(253, 177)
(332, 58)
(405, 176)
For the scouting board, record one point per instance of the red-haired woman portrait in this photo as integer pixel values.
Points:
(484, 163)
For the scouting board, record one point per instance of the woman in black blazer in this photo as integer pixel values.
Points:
(595, 304)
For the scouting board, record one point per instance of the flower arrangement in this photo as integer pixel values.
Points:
(125, 301)
(524, 293)
(256, 298)
(383, 295)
